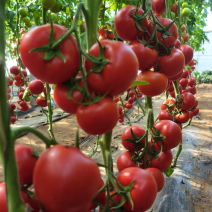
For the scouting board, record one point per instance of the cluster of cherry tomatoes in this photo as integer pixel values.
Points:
(105, 33)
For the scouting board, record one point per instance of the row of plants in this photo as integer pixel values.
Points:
(89, 79)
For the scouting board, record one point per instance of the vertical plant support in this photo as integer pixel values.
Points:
(7, 154)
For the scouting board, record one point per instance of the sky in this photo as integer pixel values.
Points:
(209, 21)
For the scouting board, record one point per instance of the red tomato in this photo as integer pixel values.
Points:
(188, 101)
(174, 8)
(144, 188)
(14, 70)
(139, 95)
(171, 87)
(24, 72)
(165, 160)
(120, 109)
(8, 96)
(191, 81)
(12, 119)
(36, 87)
(129, 106)
(183, 117)
(160, 6)
(20, 96)
(12, 106)
(65, 164)
(192, 90)
(18, 84)
(64, 102)
(183, 82)
(184, 91)
(196, 103)
(138, 132)
(130, 100)
(103, 115)
(183, 27)
(9, 81)
(121, 120)
(158, 176)
(125, 161)
(8, 90)
(166, 102)
(164, 115)
(125, 25)
(171, 65)
(116, 99)
(41, 102)
(185, 73)
(188, 53)
(177, 44)
(180, 125)
(153, 6)
(172, 133)
(26, 162)
(101, 198)
(23, 103)
(121, 116)
(195, 111)
(52, 71)
(172, 94)
(176, 77)
(190, 114)
(131, 93)
(102, 32)
(169, 40)
(146, 56)
(117, 68)
(157, 83)
(24, 109)
(110, 35)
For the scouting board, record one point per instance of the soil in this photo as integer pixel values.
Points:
(190, 186)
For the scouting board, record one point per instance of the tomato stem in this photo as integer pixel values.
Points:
(148, 108)
(125, 113)
(177, 155)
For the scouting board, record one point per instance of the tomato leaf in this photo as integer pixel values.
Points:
(136, 83)
(26, 95)
(169, 172)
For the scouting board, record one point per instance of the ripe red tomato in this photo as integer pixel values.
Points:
(169, 40)
(160, 6)
(172, 64)
(144, 188)
(125, 25)
(24, 72)
(121, 116)
(165, 160)
(157, 83)
(101, 198)
(172, 94)
(23, 103)
(26, 162)
(41, 102)
(153, 6)
(64, 102)
(195, 111)
(129, 106)
(191, 81)
(121, 120)
(130, 100)
(116, 99)
(65, 164)
(8, 96)
(24, 109)
(170, 87)
(52, 71)
(103, 115)
(174, 8)
(185, 73)
(188, 53)
(171, 131)
(176, 77)
(177, 44)
(8, 90)
(158, 176)
(138, 132)
(9, 81)
(14, 70)
(18, 83)
(110, 35)
(125, 161)
(131, 93)
(184, 91)
(190, 114)
(183, 82)
(188, 101)
(192, 90)
(196, 103)
(166, 102)
(117, 68)
(13, 119)
(12, 107)
(36, 87)
(183, 117)
(164, 115)
(102, 32)
(146, 56)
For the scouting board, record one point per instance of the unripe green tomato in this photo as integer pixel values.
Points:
(69, 18)
(185, 5)
(63, 23)
(54, 16)
(48, 4)
(181, 2)
(186, 12)
(29, 25)
(58, 7)
(23, 12)
(26, 20)
(172, 14)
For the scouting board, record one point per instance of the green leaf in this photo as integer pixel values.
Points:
(26, 95)
(136, 83)
(53, 86)
(169, 172)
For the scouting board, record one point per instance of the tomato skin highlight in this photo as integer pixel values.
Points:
(98, 118)
(146, 56)
(171, 131)
(138, 132)
(65, 164)
(122, 66)
(172, 64)
(145, 188)
(124, 23)
(157, 83)
(52, 71)
(158, 176)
